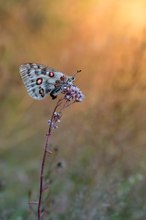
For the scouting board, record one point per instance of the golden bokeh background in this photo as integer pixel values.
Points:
(101, 141)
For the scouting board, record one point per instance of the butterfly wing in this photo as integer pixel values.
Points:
(37, 80)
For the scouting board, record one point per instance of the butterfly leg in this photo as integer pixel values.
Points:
(53, 96)
(55, 92)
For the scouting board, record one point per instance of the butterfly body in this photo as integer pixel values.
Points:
(41, 80)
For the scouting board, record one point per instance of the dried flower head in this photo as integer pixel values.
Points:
(72, 94)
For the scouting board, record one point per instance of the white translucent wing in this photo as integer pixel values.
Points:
(36, 79)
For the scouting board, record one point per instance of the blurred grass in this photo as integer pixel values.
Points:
(101, 141)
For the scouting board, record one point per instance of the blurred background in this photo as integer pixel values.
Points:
(99, 169)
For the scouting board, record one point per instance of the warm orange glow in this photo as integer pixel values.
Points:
(132, 14)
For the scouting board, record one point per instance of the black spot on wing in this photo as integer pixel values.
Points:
(44, 71)
(41, 92)
(31, 65)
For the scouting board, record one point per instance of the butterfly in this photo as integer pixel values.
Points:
(41, 80)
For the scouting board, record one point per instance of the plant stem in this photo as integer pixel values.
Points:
(46, 151)
(42, 175)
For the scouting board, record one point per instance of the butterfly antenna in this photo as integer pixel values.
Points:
(78, 71)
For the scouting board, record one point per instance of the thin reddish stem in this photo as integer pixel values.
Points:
(42, 176)
(46, 150)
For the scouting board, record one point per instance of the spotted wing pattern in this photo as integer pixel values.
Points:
(39, 79)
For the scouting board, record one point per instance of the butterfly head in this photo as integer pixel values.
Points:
(71, 79)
